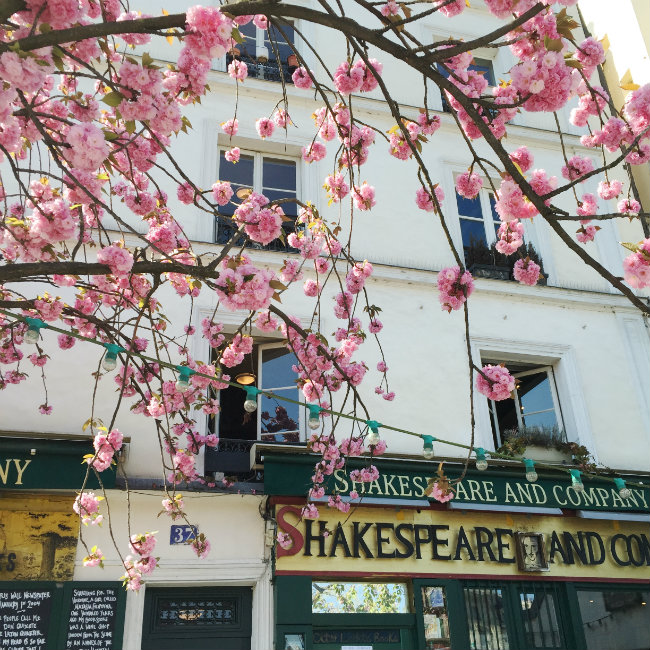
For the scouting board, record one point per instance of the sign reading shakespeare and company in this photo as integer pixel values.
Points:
(430, 542)
(291, 477)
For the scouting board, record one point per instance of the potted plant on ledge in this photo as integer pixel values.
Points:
(545, 444)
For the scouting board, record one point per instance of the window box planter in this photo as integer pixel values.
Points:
(547, 454)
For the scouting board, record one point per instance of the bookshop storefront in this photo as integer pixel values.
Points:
(41, 606)
(399, 572)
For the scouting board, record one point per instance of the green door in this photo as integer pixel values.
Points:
(202, 618)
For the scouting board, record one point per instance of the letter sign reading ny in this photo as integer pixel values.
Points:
(182, 534)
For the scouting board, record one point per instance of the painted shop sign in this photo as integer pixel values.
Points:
(38, 464)
(379, 540)
(286, 477)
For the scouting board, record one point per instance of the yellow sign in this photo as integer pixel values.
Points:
(370, 541)
(38, 537)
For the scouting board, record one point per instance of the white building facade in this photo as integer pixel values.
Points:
(579, 349)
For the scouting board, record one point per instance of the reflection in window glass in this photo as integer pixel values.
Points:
(615, 620)
(280, 419)
(486, 618)
(541, 625)
(436, 620)
(358, 598)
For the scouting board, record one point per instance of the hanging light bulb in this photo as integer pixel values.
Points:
(314, 416)
(623, 491)
(250, 404)
(576, 481)
(481, 460)
(33, 332)
(373, 437)
(427, 450)
(531, 474)
(183, 381)
(109, 362)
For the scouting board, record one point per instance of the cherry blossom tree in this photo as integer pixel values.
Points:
(91, 249)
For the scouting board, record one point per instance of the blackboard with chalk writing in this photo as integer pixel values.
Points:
(93, 614)
(63, 616)
(25, 617)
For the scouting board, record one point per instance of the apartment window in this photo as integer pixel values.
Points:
(479, 221)
(271, 175)
(267, 53)
(535, 409)
(275, 420)
(483, 66)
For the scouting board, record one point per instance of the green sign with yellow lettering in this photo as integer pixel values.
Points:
(40, 464)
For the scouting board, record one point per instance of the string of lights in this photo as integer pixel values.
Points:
(185, 373)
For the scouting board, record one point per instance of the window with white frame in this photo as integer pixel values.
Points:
(268, 53)
(479, 225)
(272, 175)
(535, 410)
(479, 221)
(269, 367)
(482, 66)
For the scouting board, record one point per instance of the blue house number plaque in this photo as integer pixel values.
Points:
(182, 534)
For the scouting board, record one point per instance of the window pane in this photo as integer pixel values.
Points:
(486, 619)
(485, 66)
(495, 214)
(276, 368)
(358, 597)
(469, 207)
(615, 620)
(545, 420)
(436, 619)
(279, 42)
(290, 209)
(534, 392)
(473, 232)
(279, 174)
(240, 173)
(541, 626)
(248, 30)
(280, 419)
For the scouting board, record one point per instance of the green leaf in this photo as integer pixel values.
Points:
(631, 247)
(553, 44)
(110, 135)
(237, 35)
(130, 126)
(572, 63)
(276, 284)
(113, 98)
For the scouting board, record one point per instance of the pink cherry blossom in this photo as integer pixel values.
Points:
(495, 382)
(301, 78)
(454, 288)
(526, 271)
(117, 258)
(364, 196)
(232, 155)
(637, 266)
(264, 127)
(230, 127)
(468, 185)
